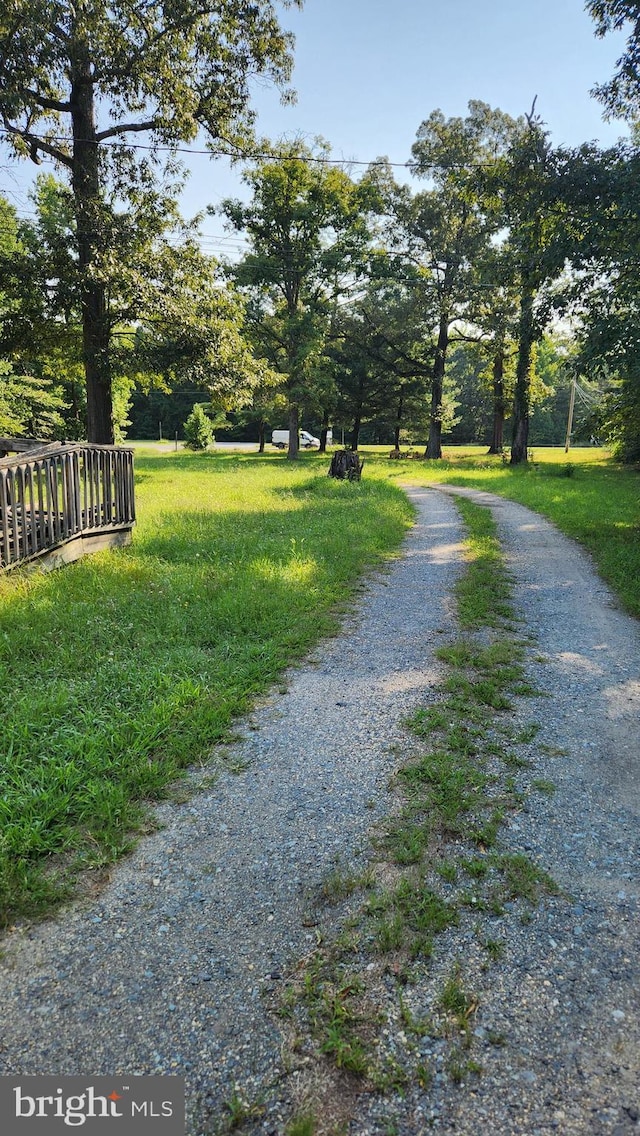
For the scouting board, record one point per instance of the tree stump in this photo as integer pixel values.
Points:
(346, 465)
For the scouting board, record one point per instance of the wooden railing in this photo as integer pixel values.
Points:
(62, 499)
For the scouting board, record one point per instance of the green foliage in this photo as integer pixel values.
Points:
(616, 420)
(29, 406)
(522, 878)
(75, 77)
(198, 429)
(306, 224)
(482, 592)
(302, 1125)
(381, 358)
(450, 228)
(456, 1002)
(601, 191)
(621, 94)
(177, 69)
(29, 402)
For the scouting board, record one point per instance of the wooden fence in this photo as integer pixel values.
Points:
(63, 499)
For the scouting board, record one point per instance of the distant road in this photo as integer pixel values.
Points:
(164, 447)
(239, 446)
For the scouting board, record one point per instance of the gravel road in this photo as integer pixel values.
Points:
(166, 970)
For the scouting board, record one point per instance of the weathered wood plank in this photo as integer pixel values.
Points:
(4, 518)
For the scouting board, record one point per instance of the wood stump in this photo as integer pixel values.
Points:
(346, 465)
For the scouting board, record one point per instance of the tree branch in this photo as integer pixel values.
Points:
(125, 128)
(48, 104)
(39, 144)
(420, 368)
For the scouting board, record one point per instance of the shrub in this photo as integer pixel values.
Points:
(198, 430)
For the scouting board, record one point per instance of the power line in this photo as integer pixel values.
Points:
(210, 151)
(247, 155)
(588, 398)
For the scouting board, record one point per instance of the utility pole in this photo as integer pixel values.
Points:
(572, 402)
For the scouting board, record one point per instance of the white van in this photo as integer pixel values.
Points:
(280, 439)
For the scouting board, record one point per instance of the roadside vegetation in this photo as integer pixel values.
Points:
(122, 669)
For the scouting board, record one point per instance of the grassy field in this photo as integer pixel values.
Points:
(123, 668)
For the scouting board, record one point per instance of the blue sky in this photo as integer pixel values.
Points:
(368, 72)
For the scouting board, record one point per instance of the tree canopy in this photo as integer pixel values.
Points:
(620, 94)
(354, 297)
(306, 224)
(77, 81)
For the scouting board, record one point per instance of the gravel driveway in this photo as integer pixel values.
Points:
(165, 972)
(567, 997)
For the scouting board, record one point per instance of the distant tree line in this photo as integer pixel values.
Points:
(461, 309)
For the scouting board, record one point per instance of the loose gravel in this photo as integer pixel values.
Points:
(172, 968)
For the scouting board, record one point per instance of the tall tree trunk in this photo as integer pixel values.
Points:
(87, 199)
(396, 432)
(434, 445)
(261, 433)
(355, 433)
(357, 421)
(522, 393)
(294, 426)
(324, 431)
(499, 406)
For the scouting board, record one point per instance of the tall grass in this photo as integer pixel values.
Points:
(121, 669)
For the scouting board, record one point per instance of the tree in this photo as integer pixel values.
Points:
(171, 316)
(449, 226)
(78, 80)
(472, 377)
(361, 381)
(600, 192)
(621, 94)
(307, 229)
(30, 403)
(189, 326)
(382, 354)
(494, 313)
(29, 406)
(528, 183)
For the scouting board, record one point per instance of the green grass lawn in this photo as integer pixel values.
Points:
(119, 670)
